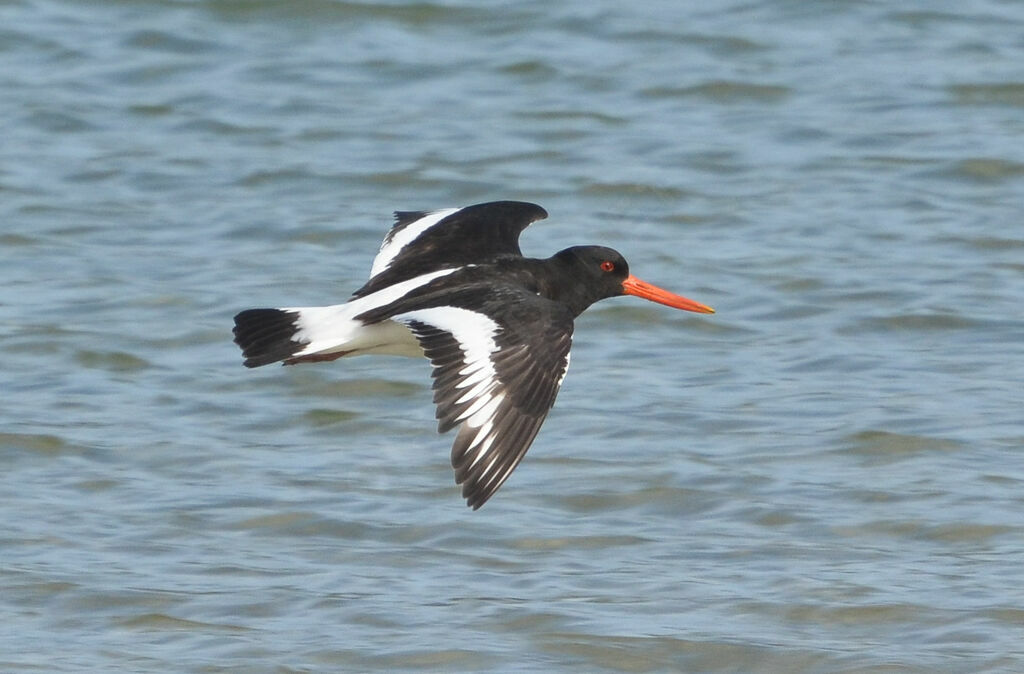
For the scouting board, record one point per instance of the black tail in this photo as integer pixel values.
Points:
(265, 335)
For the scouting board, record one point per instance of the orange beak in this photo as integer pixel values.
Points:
(634, 286)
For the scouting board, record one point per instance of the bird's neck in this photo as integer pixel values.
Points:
(550, 278)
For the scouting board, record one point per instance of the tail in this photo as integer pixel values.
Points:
(267, 335)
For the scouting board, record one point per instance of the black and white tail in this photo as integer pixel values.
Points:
(315, 334)
(267, 335)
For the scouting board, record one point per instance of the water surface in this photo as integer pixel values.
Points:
(824, 476)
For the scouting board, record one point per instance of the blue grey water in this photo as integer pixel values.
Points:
(827, 475)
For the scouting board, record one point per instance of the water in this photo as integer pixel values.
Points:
(824, 476)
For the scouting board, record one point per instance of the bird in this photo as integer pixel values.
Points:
(454, 286)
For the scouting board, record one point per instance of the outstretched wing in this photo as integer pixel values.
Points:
(422, 242)
(495, 377)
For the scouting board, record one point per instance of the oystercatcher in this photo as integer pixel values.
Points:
(452, 285)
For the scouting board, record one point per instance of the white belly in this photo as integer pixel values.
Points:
(385, 338)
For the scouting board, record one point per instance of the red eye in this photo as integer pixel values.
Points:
(607, 266)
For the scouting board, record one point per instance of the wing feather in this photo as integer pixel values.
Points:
(422, 242)
(496, 381)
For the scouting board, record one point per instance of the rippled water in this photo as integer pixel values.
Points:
(825, 476)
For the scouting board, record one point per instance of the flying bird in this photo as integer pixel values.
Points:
(452, 285)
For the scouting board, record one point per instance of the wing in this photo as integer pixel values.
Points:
(422, 242)
(496, 378)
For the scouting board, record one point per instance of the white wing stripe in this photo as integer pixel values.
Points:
(478, 389)
(483, 387)
(477, 406)
(485, 413)
(488, 441)
(474, 373)
(482, 433)
(472, 330)
(485, 473)
(390, 249)
(475, 334)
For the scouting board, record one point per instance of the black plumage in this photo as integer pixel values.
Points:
(497, 327)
